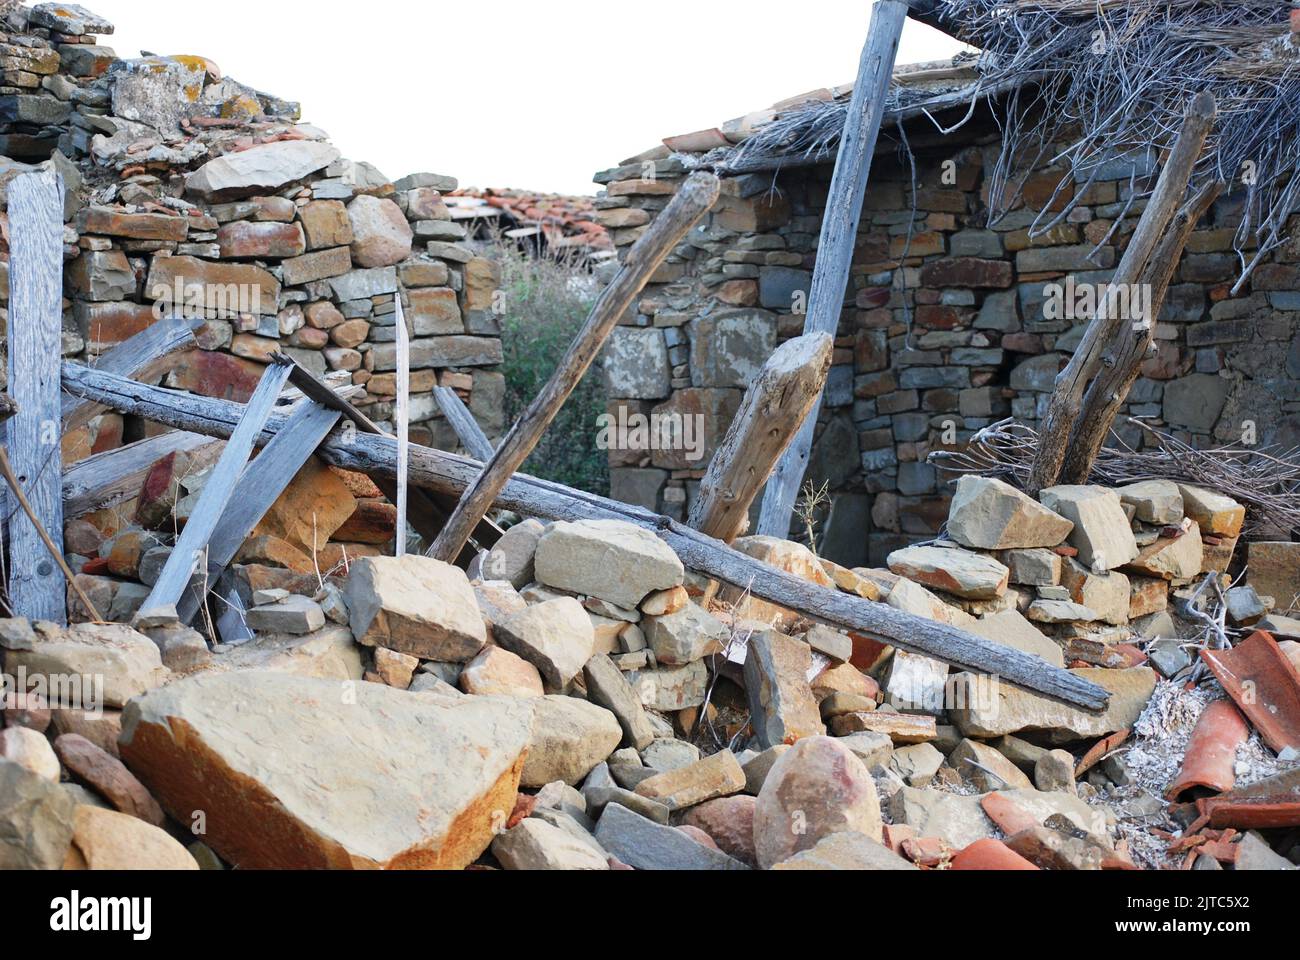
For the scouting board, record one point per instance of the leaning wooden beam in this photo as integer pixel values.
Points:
(447, 473)
(1133, 343)
(426, 513)
(258, 488)
(188, 554)
(1067, 397)
(694, 199)
(463, 424)
(775, 406)
(36, 587)
(7, 471)
(839, 236)
(106, 479)
(147, 355)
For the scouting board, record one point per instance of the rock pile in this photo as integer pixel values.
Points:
(580, 700)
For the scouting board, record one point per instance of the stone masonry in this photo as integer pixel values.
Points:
(946, 327)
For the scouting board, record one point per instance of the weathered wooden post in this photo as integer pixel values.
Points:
(839, 235)
(34, 434)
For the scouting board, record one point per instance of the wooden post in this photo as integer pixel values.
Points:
(188, 553)
(463, 424)
(1123, 362)
(36, 588)
(449, 474)
(1067, 396)
(775, 406)
(693, 200)
(839, 236)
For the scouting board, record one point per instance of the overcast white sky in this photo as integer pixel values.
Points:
(515, 92)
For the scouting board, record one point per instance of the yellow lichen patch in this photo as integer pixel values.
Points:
(198, 64)
(241, 107)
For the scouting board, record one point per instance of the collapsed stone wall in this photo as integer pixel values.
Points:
(950, 326)
(190, 193)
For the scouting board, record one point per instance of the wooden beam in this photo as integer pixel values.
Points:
(191, 547)
(108, 478)
(463, 424)
(36, 588)
(260, 485)
(1123, 362)
(450, 474)
(692, 201)
(839, 236)
(1067, 397)
(775, 406)
(148, 355)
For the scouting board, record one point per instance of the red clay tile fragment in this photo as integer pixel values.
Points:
(989, 854)
(1097, 752)
(1211, 756)
(1009, 816)
(1264, 684)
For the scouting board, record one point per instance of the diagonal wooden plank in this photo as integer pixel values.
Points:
(257, 490)
(149, 354)
(839, 236)
(463, 424)
(215, 499)
(36, 587)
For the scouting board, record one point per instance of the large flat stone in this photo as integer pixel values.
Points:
(609, 559)
(782, 707)
(414, 605)
(646, 845)
(295, 773)
(1101, 533)
(259, 170)
(961, 572)
(556, 637)
(569, 738)
(989, 514)
(984, 710)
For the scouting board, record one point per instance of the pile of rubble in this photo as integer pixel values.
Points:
(578, 699)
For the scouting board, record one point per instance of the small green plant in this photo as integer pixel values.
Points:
(544, 303)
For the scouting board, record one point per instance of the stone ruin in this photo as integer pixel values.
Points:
(947, 330)
(189, 193)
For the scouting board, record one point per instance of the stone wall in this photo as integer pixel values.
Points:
(944, 333)
(189, 192)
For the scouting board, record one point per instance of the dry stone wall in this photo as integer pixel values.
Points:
(190, 193)
(952, 324)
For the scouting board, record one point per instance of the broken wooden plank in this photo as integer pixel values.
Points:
(36, 588)
(106, 479)
(191, 547)
(426, 513)
(146, 356)
(260, 485)
(402, 424)
(775, 406)
(693, 199)
(463, 424)
(449, 474)
(839, 236)
(1066, 400)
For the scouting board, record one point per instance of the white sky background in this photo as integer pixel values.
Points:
(515, 92)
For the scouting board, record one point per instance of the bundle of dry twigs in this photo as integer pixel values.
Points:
(1265, 479)
(1117, 77)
